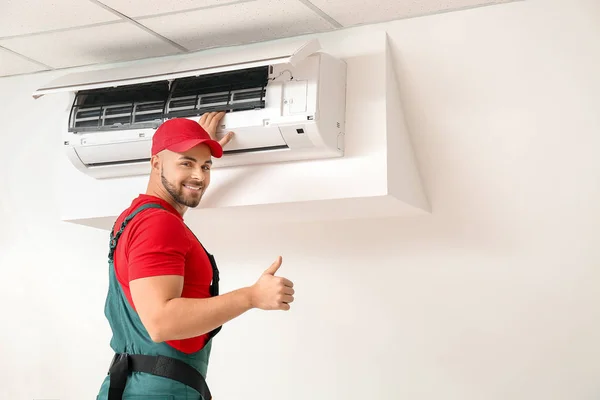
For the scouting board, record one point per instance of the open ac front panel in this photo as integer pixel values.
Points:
(278, 112)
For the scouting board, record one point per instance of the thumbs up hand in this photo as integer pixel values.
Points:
(272, 292)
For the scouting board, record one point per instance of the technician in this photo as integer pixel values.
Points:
(163, 303)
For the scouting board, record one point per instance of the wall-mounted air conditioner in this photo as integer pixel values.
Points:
(284, 101)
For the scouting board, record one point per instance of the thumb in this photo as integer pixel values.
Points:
(226, 139)
(274, 267)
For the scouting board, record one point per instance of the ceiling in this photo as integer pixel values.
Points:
(41, 35)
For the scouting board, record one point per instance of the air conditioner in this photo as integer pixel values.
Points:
(284, 101)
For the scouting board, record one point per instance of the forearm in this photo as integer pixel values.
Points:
(182, 318)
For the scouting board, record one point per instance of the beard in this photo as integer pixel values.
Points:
(178, 194)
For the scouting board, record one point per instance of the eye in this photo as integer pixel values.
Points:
(186, 164)
(206, 167)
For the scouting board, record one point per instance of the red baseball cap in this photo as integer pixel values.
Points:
(180, 135)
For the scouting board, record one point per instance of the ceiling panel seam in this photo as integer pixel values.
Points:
(321, 13)
(166, 14)
(139, 25)
(41, 64)
(71, 28)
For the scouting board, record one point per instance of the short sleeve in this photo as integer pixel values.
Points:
(158, 246)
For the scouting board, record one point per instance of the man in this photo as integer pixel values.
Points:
(163, 302)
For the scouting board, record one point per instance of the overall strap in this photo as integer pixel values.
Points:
(214, 286)
(114, 238)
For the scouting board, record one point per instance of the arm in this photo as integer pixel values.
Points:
(156, 252)
(167, 316)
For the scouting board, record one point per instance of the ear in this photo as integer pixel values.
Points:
(155, 163)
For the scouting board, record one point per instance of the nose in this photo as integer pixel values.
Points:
(198, 174)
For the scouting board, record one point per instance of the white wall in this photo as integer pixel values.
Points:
(493, 296)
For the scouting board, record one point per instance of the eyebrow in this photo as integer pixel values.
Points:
(194, 160)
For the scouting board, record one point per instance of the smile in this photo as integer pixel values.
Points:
(196, 188)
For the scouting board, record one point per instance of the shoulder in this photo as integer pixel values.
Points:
(160, 221)
(151, 216)
(157, 244)
(157, 227)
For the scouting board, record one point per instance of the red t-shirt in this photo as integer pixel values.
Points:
(157, 242)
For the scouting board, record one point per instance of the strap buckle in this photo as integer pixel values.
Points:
(116, 357)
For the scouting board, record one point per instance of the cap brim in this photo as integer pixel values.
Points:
(215, 148)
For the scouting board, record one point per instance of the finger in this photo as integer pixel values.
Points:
(214, 122)
(274, 267)
(286, 282)
(284, 307)
(226, 139)
(202, 120)
(208, 120)
(287, 299)
(288, 290)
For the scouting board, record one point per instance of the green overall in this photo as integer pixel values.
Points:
(131, 338)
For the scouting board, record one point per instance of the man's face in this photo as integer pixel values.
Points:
(185, 176)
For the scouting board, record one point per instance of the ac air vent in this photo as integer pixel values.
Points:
(216, 99)
(248, 95)
(229, 91)
(127, 107)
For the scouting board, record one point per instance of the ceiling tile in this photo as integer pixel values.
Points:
(140, 8)
(99, 44)
(240, 23)
(12, 64)
(359, 12)
(20, 17)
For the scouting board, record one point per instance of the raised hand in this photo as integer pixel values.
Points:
(272, 292)
(210, 122)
